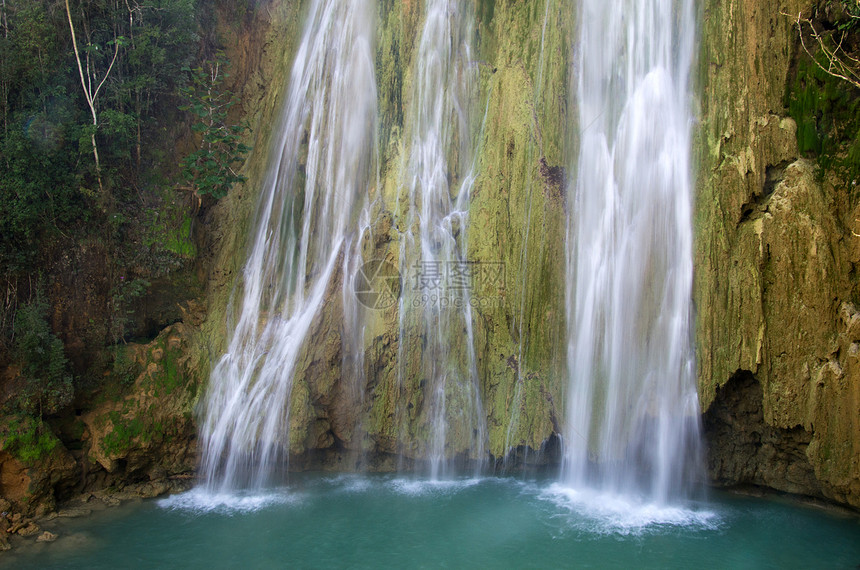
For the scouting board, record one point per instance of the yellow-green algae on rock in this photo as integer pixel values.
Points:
(516, 218)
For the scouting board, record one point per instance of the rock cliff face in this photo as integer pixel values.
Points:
(775, 282)
(359, 402)
(136, 428)
(774, 288)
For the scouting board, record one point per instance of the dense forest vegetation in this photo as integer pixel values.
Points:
(114, 135)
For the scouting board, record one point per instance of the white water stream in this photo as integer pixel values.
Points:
(434, 306)
(632, 416)
(318, 176)
(632, 412)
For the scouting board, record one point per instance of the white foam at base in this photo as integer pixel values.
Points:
(603, 513)
(199, 501)
(417, 488)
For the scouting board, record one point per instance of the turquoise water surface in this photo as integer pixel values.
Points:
(323, 521)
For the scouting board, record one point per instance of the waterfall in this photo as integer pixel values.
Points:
(632, 411)
(316, 182)
(435, 312)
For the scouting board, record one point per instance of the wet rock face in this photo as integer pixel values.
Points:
(362, 400)
(13, 478)
(774, 262)
(28, 482)
(775, 269)
(137, 429)
(744, 450)
(774, 283)
(147, 433)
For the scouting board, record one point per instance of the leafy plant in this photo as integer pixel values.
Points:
(212, 168)
(47, 384)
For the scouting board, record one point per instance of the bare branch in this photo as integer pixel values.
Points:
(836, 66)
(89, 93)
(78, 58)
(115, 53)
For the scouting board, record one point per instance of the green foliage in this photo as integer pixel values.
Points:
(158, 39)
(47, 383)
(54, 221)
(123, 296)
(827, 112)
(48, 184)
(38, 179)
(212, 168)
(28, 439)
(852, 11)
(38, 191)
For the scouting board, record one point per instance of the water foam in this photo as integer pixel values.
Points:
(599, 512)
(418, 488)
(350, 483)
(200, 501)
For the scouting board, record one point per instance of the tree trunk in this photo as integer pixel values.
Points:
(91, 95)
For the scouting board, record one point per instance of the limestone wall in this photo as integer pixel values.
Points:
(775, 281)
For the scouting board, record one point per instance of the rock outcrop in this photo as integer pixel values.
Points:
(775, 274)
(137, 428)
(774, 286)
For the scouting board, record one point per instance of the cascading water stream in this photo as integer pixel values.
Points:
(632, 410)
(318, 173)
(435, 313)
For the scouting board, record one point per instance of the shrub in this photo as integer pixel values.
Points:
(47, 384)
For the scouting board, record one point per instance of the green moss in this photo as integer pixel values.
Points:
(28, 439)
(521, 216)
(486, 9)
(827, 112)
(301, 415)
(170, 378)
(131, 430)
(180, 242)
(389, 74)
(125, 432)
(124, 369)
